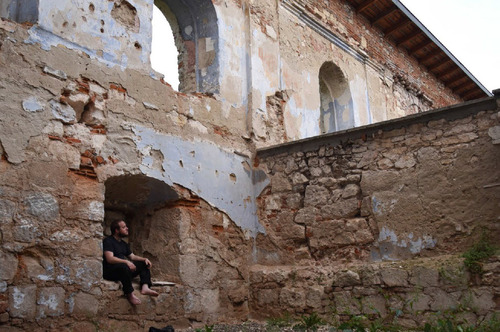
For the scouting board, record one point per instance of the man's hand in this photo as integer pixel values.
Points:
(148, 263)
(131, 266)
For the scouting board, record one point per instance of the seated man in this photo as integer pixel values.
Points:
(117, 267)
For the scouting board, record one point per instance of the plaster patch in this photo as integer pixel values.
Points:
(49, 301)
(209, 44)
(18, 298)
(414, 245)
(233, 190)
(65, 236)
(48, 40)
(32, 105)
(150, 106)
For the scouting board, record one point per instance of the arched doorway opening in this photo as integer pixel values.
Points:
(337, 112)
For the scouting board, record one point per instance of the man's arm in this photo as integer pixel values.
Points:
(133, 257)
(111, 259)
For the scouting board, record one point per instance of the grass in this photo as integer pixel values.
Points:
(478, 253)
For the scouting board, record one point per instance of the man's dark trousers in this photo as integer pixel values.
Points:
(121, 272)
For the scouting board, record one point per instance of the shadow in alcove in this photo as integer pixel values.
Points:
(147, 206)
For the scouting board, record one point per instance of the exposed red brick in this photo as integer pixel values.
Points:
(55, 138)
(85, 161)
(100, 160)
(165, 82)
(86, 173)
(117, 87)
(83, 87)
(113, 160)
(256, 162)
(218, 228)
(88, 154)
(221, 131)
(63, 99)
(72, 140)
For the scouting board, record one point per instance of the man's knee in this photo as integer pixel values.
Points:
(122, 267)
(140, 265)
(117, 271)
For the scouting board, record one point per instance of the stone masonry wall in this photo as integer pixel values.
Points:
(407, 294)
(426, 186)
(418, 191)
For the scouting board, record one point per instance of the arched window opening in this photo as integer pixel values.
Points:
(164, 53)
(196, 36)
(146, 205)
(336, 109)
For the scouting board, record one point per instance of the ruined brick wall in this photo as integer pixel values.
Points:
(89, 133)
(383, 81)
(71, 127)
(406, 72)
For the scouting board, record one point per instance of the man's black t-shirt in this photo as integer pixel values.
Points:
(120, 249)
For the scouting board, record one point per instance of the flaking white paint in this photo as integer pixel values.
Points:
(208, 171)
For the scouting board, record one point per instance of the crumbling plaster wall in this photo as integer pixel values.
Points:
(388, 57)
(290, 42)
(300, 76)
(264, 47)
(69, 123)
(114, 32)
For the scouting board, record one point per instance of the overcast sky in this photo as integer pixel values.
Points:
(469, 29)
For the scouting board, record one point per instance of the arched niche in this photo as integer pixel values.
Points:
(196, 35)
(336, 107)
(147, 205)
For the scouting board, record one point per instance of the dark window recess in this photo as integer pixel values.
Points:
(337, 111)
(20, 10)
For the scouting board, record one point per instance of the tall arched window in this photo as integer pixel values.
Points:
(336, 108)
(196, 36)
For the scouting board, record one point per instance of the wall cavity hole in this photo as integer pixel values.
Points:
(102, 30)
(180, 163)
(65, 24)
(91, 7)
(232, 177)
(137, 45)
(216, 173)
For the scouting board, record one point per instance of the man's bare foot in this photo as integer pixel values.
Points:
(133, 299)
(148, 291)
